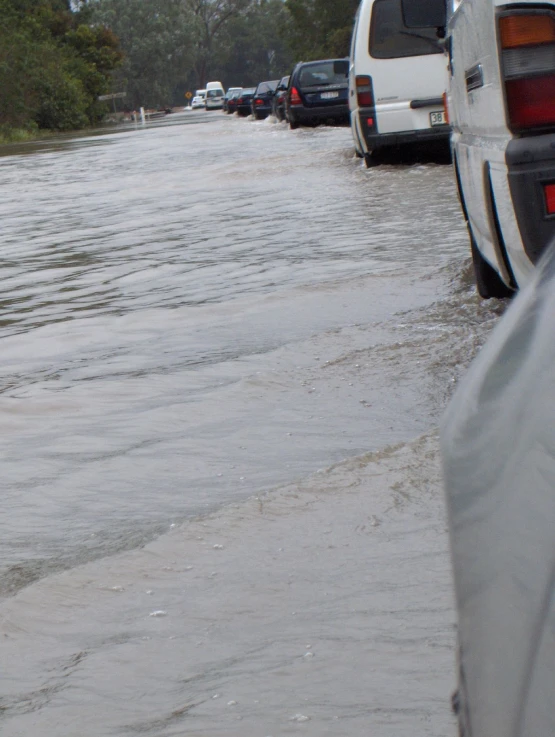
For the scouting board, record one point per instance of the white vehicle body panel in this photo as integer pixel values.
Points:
(481, 136)
(197, 102)
(396, 82)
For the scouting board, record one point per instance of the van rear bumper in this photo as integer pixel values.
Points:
(301, 114)
(531, 165)
(375, 140)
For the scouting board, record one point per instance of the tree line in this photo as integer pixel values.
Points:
(58, 56)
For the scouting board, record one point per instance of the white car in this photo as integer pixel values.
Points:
(397, 78)
(198, 102)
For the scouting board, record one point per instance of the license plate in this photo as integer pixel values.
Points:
(437, 118)
(329, 95)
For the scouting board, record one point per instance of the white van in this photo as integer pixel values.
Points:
(501, 102)
(397, 78)
(214, 96)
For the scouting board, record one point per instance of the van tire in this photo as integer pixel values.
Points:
(293, 125)
(488, 282)
(372, 159)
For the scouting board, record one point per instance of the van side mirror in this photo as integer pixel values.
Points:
(424, 13)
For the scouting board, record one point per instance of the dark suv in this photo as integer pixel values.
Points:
(318, 93)
(243, 102)
(261, 103)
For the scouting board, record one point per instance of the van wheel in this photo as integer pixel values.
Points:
(372, 159)
(488, 282)
(293, 124)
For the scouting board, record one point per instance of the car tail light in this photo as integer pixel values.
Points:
(295, 97)
(240, 101)
(528, 47)
(549, 192)
(365, 93)
(258, 101)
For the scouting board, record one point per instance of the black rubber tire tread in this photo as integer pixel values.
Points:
(488, 282)
(372, 159)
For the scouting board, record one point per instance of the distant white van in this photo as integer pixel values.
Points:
(214, 96)
(501, 103)
(397, 78)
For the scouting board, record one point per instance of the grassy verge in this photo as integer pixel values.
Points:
(22, 135)
(17, 135)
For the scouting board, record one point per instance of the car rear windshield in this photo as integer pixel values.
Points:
(391, 39)
(325, 72)
(266, 87)
(249, 91)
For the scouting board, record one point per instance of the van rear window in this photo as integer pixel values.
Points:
(391, 39)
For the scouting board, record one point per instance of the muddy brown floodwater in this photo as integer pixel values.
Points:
(225, 349)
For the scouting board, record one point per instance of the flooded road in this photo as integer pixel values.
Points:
(225, 348)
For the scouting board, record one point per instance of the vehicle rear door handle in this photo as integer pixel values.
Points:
(474, 77)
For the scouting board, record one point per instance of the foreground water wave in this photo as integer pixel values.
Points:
(195, 319)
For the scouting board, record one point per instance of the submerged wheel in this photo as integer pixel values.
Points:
(488, 282)
(372, 159)
(293, 124)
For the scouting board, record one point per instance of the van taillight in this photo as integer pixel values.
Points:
(528, 48)
(445, 107)
(295, 97)
(549, 192)
(365, 93)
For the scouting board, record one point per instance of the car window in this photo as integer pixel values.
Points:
(391, 39)
(215, 93)
(325, 72)
(266, 87)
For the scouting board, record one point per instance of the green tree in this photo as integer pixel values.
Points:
(156, 38)
(96, 54)
(320, 28)
(51, 66)
(211, 18)
(250, 49)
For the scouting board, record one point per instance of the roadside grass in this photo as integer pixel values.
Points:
(24, 135)
(18, 135)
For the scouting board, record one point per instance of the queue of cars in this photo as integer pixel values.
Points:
(412, 64)
(315, 92)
